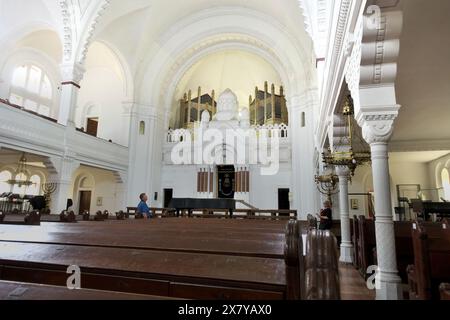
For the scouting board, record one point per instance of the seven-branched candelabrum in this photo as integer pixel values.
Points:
(49, 189)
(327, 185)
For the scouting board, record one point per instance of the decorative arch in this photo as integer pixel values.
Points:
(233, 28)
(5, 175)
(125, 68)
(445, 177)
(438, 176)
(39, 59)
(82, 177)
(78, 29)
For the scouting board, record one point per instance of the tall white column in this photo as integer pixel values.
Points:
(305, 195)
(146, 154)
(377, 131)
(62, 179)
(343, 173)
(72, 74)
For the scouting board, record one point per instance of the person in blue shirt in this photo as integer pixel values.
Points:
(143, 207)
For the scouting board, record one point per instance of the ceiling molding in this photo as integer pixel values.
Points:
(421, 145)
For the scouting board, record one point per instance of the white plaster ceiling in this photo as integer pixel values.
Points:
(46, 41)
(11, 157)
(421, 156)
(423, 84)
(135, 27)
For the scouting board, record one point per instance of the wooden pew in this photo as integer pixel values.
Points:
(25, 291)
(68, 217)
(217, 238)
(230, 277)
(31, 219)
(174, 274)
(111, 259)
(365, 245)
(322, 266)
(275, 214)
(444, 288)
(431, 262)
(355, 240)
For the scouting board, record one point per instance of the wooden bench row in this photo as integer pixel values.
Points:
(30, 218)
(407, 254)
(197, 265)
(431, 265)
(215, 213)
(25, 291)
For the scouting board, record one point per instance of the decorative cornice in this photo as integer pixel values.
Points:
(85, 41)
(68, 23)
(77, 40)
(316, 15)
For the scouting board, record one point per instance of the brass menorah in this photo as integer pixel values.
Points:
(49, 189)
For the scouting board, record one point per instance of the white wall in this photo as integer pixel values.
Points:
(263, 189)
(402, 172)
(103, 88)
(435, 172)
(104, 185)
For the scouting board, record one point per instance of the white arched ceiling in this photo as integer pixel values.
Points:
(46, 41)
(216, 30)
(148, 20)
(20, 17)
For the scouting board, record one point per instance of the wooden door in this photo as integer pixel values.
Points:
(283, 199)
(168, 195)
(85, 201)
(92, 126)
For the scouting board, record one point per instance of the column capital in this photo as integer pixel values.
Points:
(342, 172)
(377, 123)
(72, 72)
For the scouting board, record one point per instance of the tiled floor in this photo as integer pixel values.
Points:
(353, 286)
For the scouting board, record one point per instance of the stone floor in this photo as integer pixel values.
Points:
(353, 286)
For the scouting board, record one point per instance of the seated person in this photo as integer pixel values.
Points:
(143, 207)
(326, 217)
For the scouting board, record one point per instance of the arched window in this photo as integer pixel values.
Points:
(31, 88)
(35, 188)
(22, 189)
(142, 128)
(446, 183)
(5, 176)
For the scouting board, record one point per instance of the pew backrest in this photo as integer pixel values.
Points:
(322, 266)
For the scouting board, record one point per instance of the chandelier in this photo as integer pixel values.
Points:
(21, 171)
(327, 185)
(349, 157)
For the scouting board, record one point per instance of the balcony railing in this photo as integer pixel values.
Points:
(30, 132)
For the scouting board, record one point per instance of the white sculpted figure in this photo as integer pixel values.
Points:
(227, 106)
(205, 116)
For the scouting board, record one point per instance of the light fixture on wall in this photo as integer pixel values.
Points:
(21, 171)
